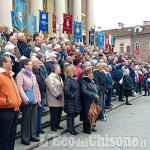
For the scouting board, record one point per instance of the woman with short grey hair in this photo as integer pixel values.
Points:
(55, 96)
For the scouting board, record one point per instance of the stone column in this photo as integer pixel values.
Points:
(59, 10)
(90, 18)
(35, 6)
(5, 13)
(77, 10)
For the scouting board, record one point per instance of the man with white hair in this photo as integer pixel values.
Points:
(38, 42)
(21, 42)
(49, 50)
(5, 33)
(49, 63)
(36, 50)
(95, 57)
(13, 41)
(44, 45)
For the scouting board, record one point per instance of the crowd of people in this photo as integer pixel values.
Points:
(65, 76)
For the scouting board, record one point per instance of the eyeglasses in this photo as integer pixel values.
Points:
(30, 64)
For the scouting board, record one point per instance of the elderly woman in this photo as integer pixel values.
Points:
(77, 63)
(10, 49)
(72, 98)
(30, 95)
(89, 91)
(55, 96)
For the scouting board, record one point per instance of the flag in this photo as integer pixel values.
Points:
(100, 39)
(13, 20)
(112, 40)
(109, 39)
(32, 24)
(43, 21)
(77, 31)
(67, 24)
(20, 14)
(128, 50)
(106, 40)
(92, 35)
(137, 51)
(54, 24)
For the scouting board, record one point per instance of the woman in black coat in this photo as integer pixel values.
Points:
(89, 91)
(127, 85)
(72, 98)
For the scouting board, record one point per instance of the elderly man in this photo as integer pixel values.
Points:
(9, 104)
(44, 45)
(49, 63)
(41, 82)
(13, 41)
(5, 32)
(38, 42)
(68, 62)
(21, 42)
(49, 50)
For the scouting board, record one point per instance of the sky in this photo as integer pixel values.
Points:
(129, 12)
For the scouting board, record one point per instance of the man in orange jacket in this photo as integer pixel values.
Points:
(9, 104)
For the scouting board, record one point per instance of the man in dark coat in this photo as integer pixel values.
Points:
(41, 82)
(100, 77)
(21, 42)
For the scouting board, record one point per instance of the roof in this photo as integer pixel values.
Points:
(128, 31)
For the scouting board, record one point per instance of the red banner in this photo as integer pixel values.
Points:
(137, 51)
(106, 41)
(67, 24)
(54, 24)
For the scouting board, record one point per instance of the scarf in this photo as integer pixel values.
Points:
(29, 72)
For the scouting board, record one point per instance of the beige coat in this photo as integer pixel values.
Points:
(54, 87)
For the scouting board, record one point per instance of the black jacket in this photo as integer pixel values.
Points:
(48, 66)
(100, 77)
(21, 45)
(40, 81)
(127, 82)
(88, 91)
(72, 96)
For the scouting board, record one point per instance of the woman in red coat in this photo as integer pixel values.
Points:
(77, 63)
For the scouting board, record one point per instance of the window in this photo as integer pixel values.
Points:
(121, 47)
(137, 45)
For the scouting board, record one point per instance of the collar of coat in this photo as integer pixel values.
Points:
(3, 71)
(87, 79)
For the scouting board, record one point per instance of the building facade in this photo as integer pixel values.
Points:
(82, 11)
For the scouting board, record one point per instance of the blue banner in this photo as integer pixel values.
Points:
(100, 39)
(20, 14)
(32, 24)
(43, 21)
(77, 31)
(92, 34)
(112, 40)
(13, 21)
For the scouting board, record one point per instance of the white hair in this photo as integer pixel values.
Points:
(49, 46)
(36, 49)
(20, 35)
(33, 59)
(52, 55)
(95, 53)
(77, 50)
(9, 47)
(136, 67)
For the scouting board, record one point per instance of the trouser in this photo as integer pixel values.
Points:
(70, 122)
(8, 127)
(146, 90)
(135, 86)
(120, 91)
(139, 88)
(55, 113)
(86, 126)
(40, 114)
(29, 122)
(109, 96)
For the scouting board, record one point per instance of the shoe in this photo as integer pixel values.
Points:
(94, 125)
(53, 129)
(34, 139)
(37, 134)
(59, 127)
(25, 142)
(107, 107)
(42, 132)
(94, 130)
(111, 105)
(128, 104)
(87, 132)
(122, 100)
(75, 131)
(144, 95)
(71, 133)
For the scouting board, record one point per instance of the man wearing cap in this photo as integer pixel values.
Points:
(9, 104)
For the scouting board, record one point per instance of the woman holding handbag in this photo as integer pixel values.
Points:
(30, 95)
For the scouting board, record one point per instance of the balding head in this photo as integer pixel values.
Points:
(5, 28)
(99, 66)
(38, 41)
(36, 63)
(69, 59)
(21, 37)
(13, 40)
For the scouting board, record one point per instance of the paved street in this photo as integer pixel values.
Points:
(127, 128)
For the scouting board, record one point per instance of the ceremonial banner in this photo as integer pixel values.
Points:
(20, 14)
(112, 40)
(67, 24)
(32, 24)
(100, 39)
(43, 21)
(128, 50)
(106, 40)
(137, 51)
(77, 31)
(92, 35)
(13, 21)
(54, 24)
